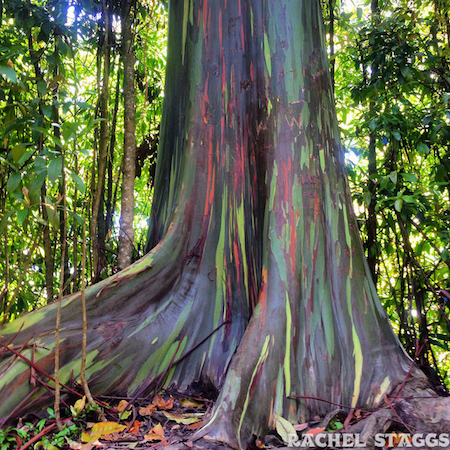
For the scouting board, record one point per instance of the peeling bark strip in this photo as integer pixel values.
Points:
(255, 229)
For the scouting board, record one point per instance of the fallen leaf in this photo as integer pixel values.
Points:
(160, 403)
(259, 443)
(134, 429)
(125, 414)
(88, 446)
(156, 434)
(284, 428)
(147, 410)
(189, 403)
(196, 425)
(314, 431)
(184, 419)
(122, 405)
(301, 426)
(102, 429)
(80, 404)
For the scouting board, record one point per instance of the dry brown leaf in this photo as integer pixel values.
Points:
(147, 410)
(301, 426)
(134, 429)
(194, 426)
(184, 419)
(156, 434)
(160, 403)
(189, 403)
(314, 431)
(122, 405)
(259, 443)
(85, 446)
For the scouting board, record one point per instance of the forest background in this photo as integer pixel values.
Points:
(74, 148)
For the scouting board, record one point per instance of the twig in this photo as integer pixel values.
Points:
(43, 372)
(396, 413)
(309, 397)
(83, 310)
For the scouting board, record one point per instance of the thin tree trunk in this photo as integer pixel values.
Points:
(110, 199)
(126, 236)
(49, 262)
(102, 146)
(371, 243)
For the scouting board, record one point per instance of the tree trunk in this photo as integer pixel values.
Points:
(97, 201)
(126, 236)
(371, 243)
(258, 283)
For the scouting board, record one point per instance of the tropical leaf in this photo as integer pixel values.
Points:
(284, 428)
(156, 434)
(102, 429)
(147, 410)
(160, 403)
(184, 419)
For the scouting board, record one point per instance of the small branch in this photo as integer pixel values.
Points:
(43, 372)
(309, 397)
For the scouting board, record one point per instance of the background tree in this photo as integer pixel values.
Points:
(258, 284)
(56, 48)
(397, 114)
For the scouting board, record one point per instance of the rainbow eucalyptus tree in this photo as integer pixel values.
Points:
(256, 282)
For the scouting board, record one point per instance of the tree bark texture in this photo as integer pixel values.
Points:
(257, 282)
(98, 193)
(126, 236)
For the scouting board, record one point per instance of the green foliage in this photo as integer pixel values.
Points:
(50, 74)
(394, 90)
(71, 430)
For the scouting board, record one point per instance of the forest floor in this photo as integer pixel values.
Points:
(169, 421)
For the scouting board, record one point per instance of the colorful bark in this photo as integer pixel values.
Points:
(258, 247)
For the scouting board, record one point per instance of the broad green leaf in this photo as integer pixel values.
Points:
(13, 182)
(397, 135)
(79, 183)
(48, 111)
(17, 152)
(22, 215)
(34, 187)
(409, 177)
(398, 204)
(446, 97)
(367, 198)
(284, 428)
(393, 177)
(423, 149)
(54, 169)
(42, 87)
(28, 153)
(359, 13)
(9, 73)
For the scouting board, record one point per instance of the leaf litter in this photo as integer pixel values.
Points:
(169, 421)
